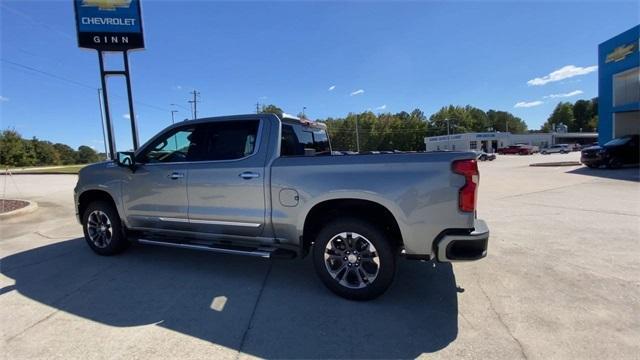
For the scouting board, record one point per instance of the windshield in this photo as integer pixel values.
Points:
(618, 141)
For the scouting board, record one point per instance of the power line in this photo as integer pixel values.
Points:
(74, 82)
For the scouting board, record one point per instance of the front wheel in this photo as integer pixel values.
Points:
(354, 259)
(103, 229)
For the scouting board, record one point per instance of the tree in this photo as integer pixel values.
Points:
(86, 155)
(271, 109)
(582, 114)
(45, 153)
(15, 151)
(562, 114)
(66, 154)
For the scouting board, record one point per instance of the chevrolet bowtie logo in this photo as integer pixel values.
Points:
(107, 4)
(620, 53)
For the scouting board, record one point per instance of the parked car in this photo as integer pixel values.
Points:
(263, 186)
(516, 149)
(483, 156)
(557, 148)
(616, 153)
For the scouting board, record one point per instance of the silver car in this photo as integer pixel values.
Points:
(558, 148)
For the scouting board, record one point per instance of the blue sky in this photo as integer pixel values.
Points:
(402, 55)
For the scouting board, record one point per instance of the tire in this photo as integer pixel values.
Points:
(103, 229)
(351, 239)
(614, 163)
(544, 153)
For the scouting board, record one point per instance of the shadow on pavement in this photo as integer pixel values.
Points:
(272, 309)
(628, 174)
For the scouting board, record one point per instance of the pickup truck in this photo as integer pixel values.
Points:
(266, 186)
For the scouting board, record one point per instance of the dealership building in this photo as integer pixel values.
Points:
(619, 86)
(491, 141)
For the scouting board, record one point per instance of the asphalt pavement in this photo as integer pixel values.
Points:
(562, 280)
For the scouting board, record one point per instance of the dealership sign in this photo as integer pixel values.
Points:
(110, 25)
(621, 52)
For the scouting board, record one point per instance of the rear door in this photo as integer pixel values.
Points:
(226, 191)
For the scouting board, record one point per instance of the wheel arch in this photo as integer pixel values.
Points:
(91, 195)
(366, 209)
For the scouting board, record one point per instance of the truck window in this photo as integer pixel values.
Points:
(175, 146)
(229, 140)
(300, 140)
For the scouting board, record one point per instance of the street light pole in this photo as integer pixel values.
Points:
(173, 120)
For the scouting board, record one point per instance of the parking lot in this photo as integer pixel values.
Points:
(562, 280)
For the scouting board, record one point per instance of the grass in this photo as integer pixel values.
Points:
(65, 169)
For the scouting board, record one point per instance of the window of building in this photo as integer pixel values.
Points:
(473, 145)
(626, 87)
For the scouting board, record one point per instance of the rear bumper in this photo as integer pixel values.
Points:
(463, 245)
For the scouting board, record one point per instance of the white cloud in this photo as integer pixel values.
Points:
(564, 72)
(525, 104)
(569, 94)
(178, 87)
(357, 92)
(381, 107)
(3, 98)
(331, 88)
(126, 116)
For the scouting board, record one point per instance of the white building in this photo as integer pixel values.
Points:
(491, 141)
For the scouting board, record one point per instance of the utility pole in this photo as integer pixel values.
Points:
(304, 116)
(448, 135)
(173, 120)
(357, 136)
(257, 108)
(194, 103)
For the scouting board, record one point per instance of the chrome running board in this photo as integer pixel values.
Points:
(258, 252)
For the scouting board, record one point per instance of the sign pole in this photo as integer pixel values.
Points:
(134, 126)
(105, 99)
(111, 26)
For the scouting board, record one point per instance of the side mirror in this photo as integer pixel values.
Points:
(126, 159)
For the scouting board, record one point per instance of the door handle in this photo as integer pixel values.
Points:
(176, 175)
(249, 175)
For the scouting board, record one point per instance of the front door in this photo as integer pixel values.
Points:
(155, 195)
(226, 188)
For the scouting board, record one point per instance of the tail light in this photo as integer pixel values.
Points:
(469, 192)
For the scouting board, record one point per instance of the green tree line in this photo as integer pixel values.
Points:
(579, 116)
(17, 152)
(406, 130)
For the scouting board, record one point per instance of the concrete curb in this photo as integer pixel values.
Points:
(31, 207)
(558, 163)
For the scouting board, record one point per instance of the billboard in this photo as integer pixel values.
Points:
(109, 25)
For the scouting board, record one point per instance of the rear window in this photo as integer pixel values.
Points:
(301, 140)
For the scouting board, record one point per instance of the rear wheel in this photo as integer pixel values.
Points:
(354, 259)
(103, 229)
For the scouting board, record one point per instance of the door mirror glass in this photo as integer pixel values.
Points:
(125, 159)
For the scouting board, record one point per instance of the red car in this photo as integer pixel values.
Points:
(516, 149)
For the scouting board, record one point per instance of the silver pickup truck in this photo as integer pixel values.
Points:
(264, 186)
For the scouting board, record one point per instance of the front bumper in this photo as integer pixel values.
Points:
(463, 245)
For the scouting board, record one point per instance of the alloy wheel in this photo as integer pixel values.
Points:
(352, 260)
(99, 229)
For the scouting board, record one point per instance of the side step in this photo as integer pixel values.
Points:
(263, 252)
